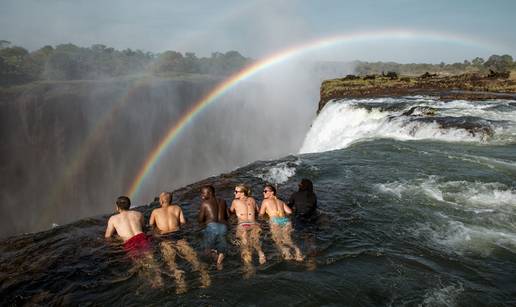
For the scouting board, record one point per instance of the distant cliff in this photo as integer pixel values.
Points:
(68, 147)
(464, 86)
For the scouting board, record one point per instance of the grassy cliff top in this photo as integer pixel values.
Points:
(463, 86)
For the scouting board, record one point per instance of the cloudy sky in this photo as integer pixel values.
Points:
(459, 29)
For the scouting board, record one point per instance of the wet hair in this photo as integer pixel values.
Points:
(243, 187)
(209, 187)
(306, 185)
(271, 187)
(123, 203)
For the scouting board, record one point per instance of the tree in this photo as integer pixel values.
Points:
(499, 63)
(191, 63)
(477, 62)
(15, 67)
(39, 59)
(169, 61)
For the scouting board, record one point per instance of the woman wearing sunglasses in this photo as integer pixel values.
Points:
(281, 227)
(248, 230)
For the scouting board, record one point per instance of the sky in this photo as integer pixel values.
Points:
(258, 29)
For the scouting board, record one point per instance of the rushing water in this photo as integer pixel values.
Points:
(417, 201)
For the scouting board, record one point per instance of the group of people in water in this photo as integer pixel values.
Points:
(166, 222)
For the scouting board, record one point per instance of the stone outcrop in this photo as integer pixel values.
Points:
(464, 86)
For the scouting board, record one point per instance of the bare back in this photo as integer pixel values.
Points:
(245, 210)
(213, 211)
(275, 208)
(167, 219)
(127, 224)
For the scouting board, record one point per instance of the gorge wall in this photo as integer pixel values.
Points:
(69, 148)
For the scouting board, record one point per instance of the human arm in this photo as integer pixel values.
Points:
(287, 209)
(224, 211)
(263, 209)
(182, 219)
(232, 208)
(255, 205)
(110, 228)
(201, 217)
(152, 220)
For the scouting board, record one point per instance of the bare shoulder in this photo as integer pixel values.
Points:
(113, 218)
(136, 213)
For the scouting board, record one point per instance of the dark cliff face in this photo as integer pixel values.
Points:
(68, 149)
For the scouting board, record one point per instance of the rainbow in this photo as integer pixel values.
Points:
(158, 152)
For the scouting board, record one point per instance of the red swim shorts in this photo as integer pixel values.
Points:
(137, 246)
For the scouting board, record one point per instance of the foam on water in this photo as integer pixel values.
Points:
(486, 161)
(278, 173)
(345, 122)
(443, 296)
(487, 219)
(465, 194)
(457, 237)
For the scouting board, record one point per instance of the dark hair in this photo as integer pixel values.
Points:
(271, 187)
(209, 187)
(306, 185)
(123, 203)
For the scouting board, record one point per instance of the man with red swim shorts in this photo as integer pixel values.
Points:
(128, 225)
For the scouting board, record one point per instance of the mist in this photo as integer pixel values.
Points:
(80, 144)
(69, 148)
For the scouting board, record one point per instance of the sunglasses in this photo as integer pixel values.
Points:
(237, 191)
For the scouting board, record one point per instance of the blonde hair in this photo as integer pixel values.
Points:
(167, 196)
(245, 189)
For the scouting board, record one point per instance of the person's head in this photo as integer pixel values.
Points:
(306, 185)
(242, 190)
(123, 203)
(269, 190)
(165, 198)
(207, 192)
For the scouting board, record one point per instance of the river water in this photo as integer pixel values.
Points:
(417, 207)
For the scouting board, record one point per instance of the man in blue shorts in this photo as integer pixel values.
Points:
(213, 213)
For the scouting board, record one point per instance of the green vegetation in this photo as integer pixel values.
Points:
(67, 62)
(70, 62)
(462, 86)
(496, 63)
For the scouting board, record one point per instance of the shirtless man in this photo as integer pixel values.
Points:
(248, 231)
(128, 224)
(213, 212)
(281, 227)
(167, 220)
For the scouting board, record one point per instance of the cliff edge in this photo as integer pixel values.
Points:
(465, 86)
